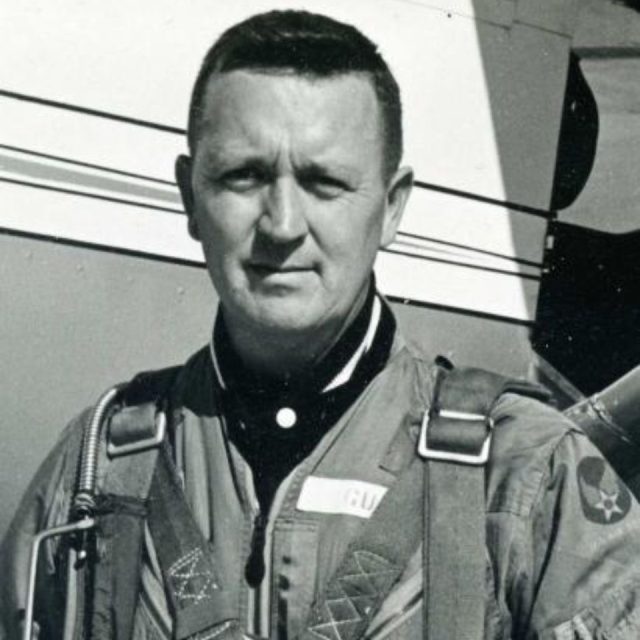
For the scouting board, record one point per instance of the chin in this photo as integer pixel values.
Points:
(285, 323)
(281, 315)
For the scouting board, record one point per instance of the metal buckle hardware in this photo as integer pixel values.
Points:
(115, 450)
(479, 458)
(81, 525)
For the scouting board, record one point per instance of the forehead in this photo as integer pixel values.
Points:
(313, 114)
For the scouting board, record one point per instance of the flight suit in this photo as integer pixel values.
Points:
(562, 532)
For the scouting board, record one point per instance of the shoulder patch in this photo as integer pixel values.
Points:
(604, 497)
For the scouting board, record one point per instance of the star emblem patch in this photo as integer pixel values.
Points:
(604, 498)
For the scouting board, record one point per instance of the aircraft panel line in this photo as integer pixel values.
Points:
(91, 112)
(88, 165)
(417, 256)
(513, 206)
(73, 192)
(495, 254)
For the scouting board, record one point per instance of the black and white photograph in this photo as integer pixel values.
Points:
(320, 320)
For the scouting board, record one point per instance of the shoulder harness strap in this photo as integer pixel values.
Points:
(197, 601)
(455, 440)
(135, 424)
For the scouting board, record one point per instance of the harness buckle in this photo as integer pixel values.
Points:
(447, 455)
(140, 444)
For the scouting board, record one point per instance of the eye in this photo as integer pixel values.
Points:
(324, 186)
(243, 179)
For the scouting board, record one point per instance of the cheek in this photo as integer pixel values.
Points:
(362, 238)
(365, 248)
(224, 226)
(354, 223)
(353, 253)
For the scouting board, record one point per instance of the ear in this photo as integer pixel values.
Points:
(183, 178)
(397, 196)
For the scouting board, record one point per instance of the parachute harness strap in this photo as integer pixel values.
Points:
(454, 442)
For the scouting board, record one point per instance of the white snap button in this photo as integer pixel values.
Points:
(286, 418)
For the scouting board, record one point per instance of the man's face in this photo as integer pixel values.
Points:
(287, 195)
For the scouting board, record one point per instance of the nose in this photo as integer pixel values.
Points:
(283, 218)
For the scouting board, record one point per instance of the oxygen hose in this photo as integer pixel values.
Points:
(82, 511)
(84, 500)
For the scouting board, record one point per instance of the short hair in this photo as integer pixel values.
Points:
(306, 44)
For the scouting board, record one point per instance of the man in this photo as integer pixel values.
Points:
(297, 426)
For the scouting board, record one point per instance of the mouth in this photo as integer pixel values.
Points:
(263, 269)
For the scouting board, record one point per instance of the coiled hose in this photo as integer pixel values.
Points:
(84, 499)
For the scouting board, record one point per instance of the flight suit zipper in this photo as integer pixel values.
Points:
(255, 567)
(261, 549)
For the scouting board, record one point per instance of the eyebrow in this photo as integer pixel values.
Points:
(212, 158)
(328, 169)
(216, 158)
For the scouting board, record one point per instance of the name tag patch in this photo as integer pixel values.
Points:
(339, 496)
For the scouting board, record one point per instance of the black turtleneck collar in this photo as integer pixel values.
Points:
(262, 387)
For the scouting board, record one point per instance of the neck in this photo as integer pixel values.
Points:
(284, 354)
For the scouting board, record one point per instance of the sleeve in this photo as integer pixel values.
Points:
(45, 504)
(583, 542)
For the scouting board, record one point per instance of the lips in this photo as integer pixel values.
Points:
(268, 269)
